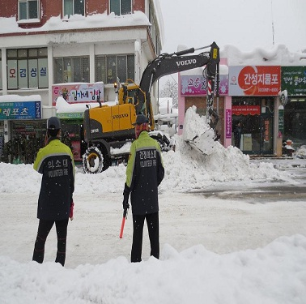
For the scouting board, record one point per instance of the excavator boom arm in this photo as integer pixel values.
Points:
(166, 64)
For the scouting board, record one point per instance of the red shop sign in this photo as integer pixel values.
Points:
(246, 110)
(255, 81)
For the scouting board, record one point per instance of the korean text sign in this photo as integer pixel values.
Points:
(294, 80)
(78, 92)
(192, 85)
(20, 110)
(254, 80)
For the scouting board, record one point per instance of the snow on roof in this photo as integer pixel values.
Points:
(10, 25)
(278, 55)
(15, 98)
(62, 106)
(199, 71)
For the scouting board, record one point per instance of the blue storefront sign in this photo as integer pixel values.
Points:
(20, 110)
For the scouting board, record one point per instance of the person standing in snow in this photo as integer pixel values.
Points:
(144, 173)
(237, 134)
(55, 204)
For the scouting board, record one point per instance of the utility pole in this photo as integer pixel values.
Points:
(272, 22)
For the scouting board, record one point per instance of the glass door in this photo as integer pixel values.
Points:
(256, 119)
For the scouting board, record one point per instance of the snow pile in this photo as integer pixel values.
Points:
(223, 165)
(198, 132)
(185, 170)
(273, 274)
(301, 152)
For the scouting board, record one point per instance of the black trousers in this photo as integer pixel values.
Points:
(153, 230)
(44, 228)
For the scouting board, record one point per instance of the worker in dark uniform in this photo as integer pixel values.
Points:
(237, 134)
(55, 204)
(144, 173)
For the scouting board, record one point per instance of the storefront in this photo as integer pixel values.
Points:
(256, 117)
(294, 87)
(23, 130)
(254, 90)
(193, 93)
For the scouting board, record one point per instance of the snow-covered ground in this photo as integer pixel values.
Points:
(212, 250)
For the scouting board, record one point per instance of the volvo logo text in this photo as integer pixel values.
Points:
(186, 62)
(118, 116)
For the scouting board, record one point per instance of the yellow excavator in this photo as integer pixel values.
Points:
(109, 130)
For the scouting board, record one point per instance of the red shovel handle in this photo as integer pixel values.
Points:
(122, 227)
(123, 223)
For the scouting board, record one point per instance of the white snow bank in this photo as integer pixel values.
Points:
(273, 274)
(301, 152)
(186, 169)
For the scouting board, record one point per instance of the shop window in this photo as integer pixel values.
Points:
(120, 7)
(109, 68)
(71, 69)
(27, 68)
(72, 7)
(256, 117)
(28, 9)
(295, 123)
(27, 138)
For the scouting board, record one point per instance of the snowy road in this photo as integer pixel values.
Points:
(263, 191)
(186, 220)
(224, 216)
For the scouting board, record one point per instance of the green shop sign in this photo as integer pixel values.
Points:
(294, 80)
(76, 115)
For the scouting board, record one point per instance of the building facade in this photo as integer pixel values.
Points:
(48, 47)
(264, 91)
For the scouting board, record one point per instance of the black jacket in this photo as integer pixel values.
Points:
(55, 163)
(144, 173)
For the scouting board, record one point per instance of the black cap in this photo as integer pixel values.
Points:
(140, 120)
(53, 123)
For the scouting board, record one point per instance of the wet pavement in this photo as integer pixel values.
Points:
(262, 191)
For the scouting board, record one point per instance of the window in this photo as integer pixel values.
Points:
(120, 7)
(71, 69)
(28, 9)
(72, 7)
(108, 68)
(27, 68)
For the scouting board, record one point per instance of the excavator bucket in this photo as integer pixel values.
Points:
(198, 133)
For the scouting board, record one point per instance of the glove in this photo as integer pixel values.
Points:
(71, 211)
(125, 203)
(126, 194)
